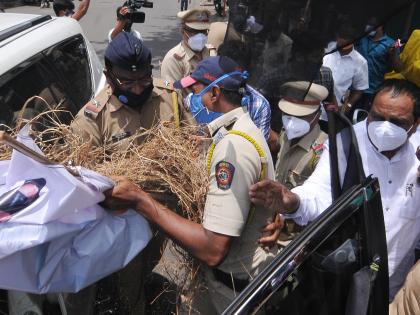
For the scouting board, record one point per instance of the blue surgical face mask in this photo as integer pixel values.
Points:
(201, 114)
(193, 102)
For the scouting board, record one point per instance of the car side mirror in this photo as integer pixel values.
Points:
(359, 115)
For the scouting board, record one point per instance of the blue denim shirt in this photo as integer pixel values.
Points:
(376, 54)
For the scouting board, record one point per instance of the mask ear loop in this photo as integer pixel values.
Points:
(244, 75)
(410, 128)
(316, 116)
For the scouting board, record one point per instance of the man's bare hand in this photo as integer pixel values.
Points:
(271, 232)
(274, 196)
(124, 11)
(124, 195)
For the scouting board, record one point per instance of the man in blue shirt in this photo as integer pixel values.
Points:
(258, 106)
(382, 56)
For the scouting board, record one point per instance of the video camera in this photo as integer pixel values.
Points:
(134, 5)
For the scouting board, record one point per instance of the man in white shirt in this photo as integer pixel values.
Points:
(387, 142)
(349, 69)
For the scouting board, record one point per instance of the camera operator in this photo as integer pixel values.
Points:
(66, 8)
(124, 24)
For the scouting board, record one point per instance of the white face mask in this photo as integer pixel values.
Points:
(295, 127)
(371, 30)
(197, 42)
(386, 136)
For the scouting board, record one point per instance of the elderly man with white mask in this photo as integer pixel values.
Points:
(387, 142)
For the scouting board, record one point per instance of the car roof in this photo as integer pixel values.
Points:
(10, 19)
(30, 40)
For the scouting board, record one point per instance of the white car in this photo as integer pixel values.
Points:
(46, 56)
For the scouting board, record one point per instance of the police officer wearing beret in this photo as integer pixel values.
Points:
(131, 99)
(181, 60)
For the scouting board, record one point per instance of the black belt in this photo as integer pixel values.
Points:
(232, 283)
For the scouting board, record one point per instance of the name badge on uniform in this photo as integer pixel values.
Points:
(220, 134)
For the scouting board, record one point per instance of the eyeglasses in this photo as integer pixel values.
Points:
(146, 81)
(191, 32)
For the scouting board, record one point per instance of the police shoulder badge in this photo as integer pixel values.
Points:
(224, 174)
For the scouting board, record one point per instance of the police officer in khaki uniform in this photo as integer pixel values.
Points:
(217, 33)
(238, 157)
(181, 60)
(301, 140)
(131, 99)
(407, 300)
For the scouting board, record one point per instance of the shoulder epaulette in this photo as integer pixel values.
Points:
(163, 84)
(179, 56)
(97, 104)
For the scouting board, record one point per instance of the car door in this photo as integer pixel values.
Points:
(337, 265)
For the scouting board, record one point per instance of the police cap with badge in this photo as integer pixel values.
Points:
(299, 99)
(196, 19)
(128, 52)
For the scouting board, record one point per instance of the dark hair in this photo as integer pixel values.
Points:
(376, 22)
(401, 87)
(119, 16)
(346, 31)
(308, 41)
(108, 64)
(62, 5)
(237, 51)
(233, 97)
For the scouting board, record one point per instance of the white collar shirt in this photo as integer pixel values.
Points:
(349, 71)
(400, 195)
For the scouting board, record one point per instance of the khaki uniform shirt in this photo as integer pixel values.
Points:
(106, 120)
(407, 300)
(296, 163)
(235, 166)
(180, 61)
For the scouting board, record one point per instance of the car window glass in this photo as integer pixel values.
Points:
(59, 75)
(323, 277)
(333, 261)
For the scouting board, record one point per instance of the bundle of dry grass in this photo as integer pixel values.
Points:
(168, 161)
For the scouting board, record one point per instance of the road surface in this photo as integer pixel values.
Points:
(160, 32)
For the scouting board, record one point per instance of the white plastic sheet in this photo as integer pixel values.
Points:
(64, 241)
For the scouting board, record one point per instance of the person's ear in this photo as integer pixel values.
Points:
(215, 93)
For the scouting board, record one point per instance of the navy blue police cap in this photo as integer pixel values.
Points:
(128, 52)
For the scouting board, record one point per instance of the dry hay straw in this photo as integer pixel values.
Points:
(169, 163)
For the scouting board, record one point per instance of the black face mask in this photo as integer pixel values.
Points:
(131, 99)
